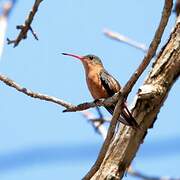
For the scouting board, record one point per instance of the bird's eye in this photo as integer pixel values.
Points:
(91, 57)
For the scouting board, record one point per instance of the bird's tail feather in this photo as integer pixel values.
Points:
(126, 116)
(129, 118)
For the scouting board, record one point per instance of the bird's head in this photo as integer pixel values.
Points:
(87, 60)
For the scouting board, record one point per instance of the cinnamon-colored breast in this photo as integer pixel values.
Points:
(95, 84)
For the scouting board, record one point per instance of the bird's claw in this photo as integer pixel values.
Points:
(96, 101)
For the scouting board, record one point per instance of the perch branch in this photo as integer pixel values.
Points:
(97, 123)
(69, 106)
(100, 102)
(26, 26)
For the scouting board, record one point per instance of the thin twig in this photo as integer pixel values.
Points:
(33, 94)
(142, 176)
(26, 26)
(102, 120)
(99, 113)
(129, 85)
(125, 39)
(98, 126)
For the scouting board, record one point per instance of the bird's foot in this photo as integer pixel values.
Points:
(96, 101)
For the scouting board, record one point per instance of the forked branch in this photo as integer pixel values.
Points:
(26, 26)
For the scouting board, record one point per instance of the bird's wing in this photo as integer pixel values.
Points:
(111, 86)
(109, 83)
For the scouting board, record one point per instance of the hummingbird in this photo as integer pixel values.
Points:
(103, 85)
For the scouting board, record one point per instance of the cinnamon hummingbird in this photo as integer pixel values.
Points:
(103, 85)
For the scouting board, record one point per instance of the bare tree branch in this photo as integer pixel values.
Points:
(125, 39)
(151, 97)
(26, 26)
(152, 48)
(70, 107)
(126, 90)
(97, 123)
(100, 102)
(142, 176)
(33, 94)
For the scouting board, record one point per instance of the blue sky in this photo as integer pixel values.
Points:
(37, 140)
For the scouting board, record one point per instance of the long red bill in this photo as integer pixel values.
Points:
(73, 55)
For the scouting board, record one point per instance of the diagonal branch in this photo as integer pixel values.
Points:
(128, 87)
(151, 97)
(26, 26)
(152, 48)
